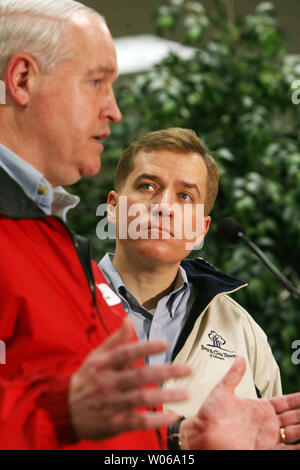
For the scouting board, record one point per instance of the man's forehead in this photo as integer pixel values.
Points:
(92, 45)
(157, 158)
(147, 166)
(84, 19)
(88, 28)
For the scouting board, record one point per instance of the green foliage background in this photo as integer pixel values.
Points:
(236, 93)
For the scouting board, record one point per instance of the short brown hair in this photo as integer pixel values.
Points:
(177, 140)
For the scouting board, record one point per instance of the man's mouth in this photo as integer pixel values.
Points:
(161, 230)
(99, 137)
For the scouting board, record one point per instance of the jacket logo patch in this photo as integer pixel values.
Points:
(215, 347)
(217, 341)
(108, 295)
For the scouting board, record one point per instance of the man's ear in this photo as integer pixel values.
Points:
(206, 225)
(20, 73)
(207, 221)
(112, 200)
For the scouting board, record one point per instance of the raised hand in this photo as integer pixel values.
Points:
(226, 421)
(105, 391)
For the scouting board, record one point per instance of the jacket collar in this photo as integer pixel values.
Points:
(205, 277)
(208, 282)
(13, 201)
(15, 204)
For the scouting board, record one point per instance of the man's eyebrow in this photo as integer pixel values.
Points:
(147, 176)
(182, 183)
(185, 184)
(101, 69)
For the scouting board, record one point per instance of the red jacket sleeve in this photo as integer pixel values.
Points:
(34, 413)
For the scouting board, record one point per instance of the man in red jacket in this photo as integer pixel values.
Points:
(74, 376)
(56, 308)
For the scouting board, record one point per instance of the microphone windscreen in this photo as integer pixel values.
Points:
(229, 228)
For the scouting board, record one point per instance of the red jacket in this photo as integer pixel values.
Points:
(52, 314)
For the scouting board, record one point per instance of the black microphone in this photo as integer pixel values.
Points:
(233, 232)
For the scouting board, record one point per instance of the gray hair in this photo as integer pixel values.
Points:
(36, 27)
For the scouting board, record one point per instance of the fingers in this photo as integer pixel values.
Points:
(285, 402)
(290, 422)
(121, 336)
(147, 420)
(235, 374)
(136, 378)
(289, 417)
(144, 398)
(120, 356)
(292, 433)
(110, 374)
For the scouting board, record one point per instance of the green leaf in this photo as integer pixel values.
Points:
(165, 22)
(194, 33)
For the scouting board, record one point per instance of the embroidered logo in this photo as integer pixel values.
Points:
(217, 341)
(215, 347)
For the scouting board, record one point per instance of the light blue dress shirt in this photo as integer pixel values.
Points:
(166, 321)
(35, 186)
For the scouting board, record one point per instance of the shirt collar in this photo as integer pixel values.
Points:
(52, 201)
(115, 280)
(181, 286)
(63, 202)
(111, 274)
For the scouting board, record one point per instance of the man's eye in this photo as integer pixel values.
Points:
(146, 186)
(185, 196)
(97, 82)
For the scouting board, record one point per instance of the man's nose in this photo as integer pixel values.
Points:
(162, 203)
(116, 114)
(111, 110)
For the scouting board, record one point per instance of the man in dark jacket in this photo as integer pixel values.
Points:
(165, 187)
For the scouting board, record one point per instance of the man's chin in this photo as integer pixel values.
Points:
(158, 251)
(91, 170)
(84, 172)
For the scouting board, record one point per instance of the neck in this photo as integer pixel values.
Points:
(148, 281)
(20, 139)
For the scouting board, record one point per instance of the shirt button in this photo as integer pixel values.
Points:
(42, 190)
